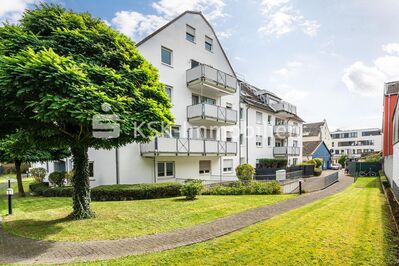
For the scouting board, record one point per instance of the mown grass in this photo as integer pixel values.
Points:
(44, 218)
(349, 228)
(4, 178)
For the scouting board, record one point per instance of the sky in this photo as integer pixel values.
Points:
(329, 58)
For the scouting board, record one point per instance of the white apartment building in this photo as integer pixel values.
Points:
(210, 137)
(357, 142)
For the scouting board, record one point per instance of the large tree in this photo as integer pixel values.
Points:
(20, 148)
(58, 68)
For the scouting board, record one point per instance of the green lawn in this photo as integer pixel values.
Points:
(4, 178)
(349, 228)
(43, 218)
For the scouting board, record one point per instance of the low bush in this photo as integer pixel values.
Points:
(191, 189)
(245, 188)
(272, 163)
(317, 171)
(318, 162)
(57, 179)
(68, 177)
(43, 189)
(135, 192)
(245, 172)
(38, 174)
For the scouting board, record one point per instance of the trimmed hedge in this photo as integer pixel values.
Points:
(272, 163)
(113, 192)
(245, 188)
(135, 192)
(317, 171)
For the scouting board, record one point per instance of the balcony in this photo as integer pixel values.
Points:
(285, 109)
(284, 131)
(211, 115)
(208, 80)
(187, 147)
(286, 151)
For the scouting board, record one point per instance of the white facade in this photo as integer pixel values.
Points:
(321, 134)
(204, 143)
(354, 143)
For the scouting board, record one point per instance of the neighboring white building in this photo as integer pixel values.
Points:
(270, 127)
(205, 94)
(395, 158)
(317, 131)
(357, 142)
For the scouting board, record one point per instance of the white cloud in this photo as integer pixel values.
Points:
(11, 10)
(138, 25)
(289, 68)
(294, 95)
(224, 34)
(368, 80)
(170, 8)
(282, 18)
(391, 48)
(135, 24)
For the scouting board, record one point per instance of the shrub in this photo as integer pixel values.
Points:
(245, 172)
(244, 188)
(191, 189)
(272, 163)
(38, 174)
(135, 192)
(317, 171)
(68, 177)
(318, 162)
(43, 189)
(57, 179)
(342, 160)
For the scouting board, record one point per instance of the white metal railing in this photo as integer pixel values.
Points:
(289, 130)
(214, 112)
(284, 107)
(161, 145)
(208, 73)
(287, 151)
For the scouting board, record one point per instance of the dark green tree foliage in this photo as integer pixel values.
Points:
(58, 67)
(20, 148)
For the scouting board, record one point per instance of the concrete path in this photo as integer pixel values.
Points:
(25, 251)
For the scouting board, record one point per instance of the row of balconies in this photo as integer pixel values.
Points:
(162, 146)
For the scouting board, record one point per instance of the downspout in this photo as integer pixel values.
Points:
(117, 165)
(155, 174)
(239, 122)
(246, 133)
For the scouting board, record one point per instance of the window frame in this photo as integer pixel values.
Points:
(210, 44)
(171, 91)
(165, 169)
(259, 144)
(228, 169)
(210, 167)
(188, 27)
(261, 118)
(163, 48)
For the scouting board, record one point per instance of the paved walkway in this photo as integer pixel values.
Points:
(25, 251)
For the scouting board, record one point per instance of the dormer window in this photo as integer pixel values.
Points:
(208, 44)
(190, 33)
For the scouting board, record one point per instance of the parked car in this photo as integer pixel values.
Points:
(336, 166)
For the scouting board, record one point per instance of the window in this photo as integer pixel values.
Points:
(279, 122)
(295, 143)
(91, 169)
(202, 99)
(228, 165)
(371, 133)
(168, 90)
(194, 63)
(204, 167)
(241, 139)
(229, 136)
(166, 169)
(241, 113)
(166, 56)
(258, 141)
(208, 133)
(208, 43)
(332, 144)
(190, 33)
(294, 161)
(269, 141)
(259, 118)
(175, 132)
(269, 119)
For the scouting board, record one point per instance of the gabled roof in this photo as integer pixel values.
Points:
(310, 147)
(392, 88)
(312, 129)
(175, 19)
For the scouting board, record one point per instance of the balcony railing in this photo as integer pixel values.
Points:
(286, 151)
(285, 107)
(215, 81)
(284, 131)
(211, 114)
(161, 146)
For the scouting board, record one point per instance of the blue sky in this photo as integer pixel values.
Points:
(330, 58)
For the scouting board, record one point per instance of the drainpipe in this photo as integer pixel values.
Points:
(155, 174)
(117, 165)
(246, 133)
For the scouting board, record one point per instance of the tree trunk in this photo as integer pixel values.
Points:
(21, 191)
(81, 184)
